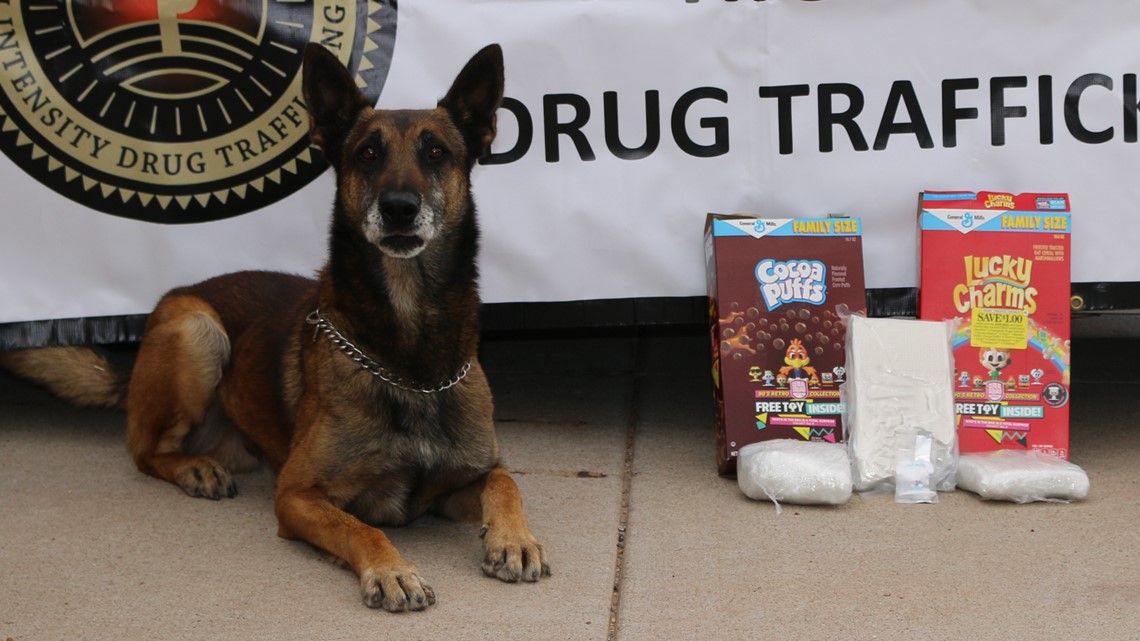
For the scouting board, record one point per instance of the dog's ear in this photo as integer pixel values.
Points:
(332, 98)
(474, 98)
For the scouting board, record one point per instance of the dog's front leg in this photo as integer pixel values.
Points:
(511, 551)
(387, 580)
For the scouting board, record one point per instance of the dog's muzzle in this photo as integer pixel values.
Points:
(402, 234)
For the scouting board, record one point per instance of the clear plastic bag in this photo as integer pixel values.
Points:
(914, 472)
(900, 382)
(803, 472)
(1021, 476)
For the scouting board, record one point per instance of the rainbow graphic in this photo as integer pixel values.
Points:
(1052, 347)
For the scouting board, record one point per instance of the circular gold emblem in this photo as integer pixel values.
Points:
(175, 111)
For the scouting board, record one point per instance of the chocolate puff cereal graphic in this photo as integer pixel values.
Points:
(734, 334)
(821, 334)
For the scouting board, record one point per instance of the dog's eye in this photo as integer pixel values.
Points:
(369, 153)
(435, 152)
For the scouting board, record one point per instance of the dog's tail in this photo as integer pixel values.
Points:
(79, 375)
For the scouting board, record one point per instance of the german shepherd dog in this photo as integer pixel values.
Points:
(360, 389)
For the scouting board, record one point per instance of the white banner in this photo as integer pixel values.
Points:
(626, 121)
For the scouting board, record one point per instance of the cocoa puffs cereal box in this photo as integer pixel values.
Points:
(998, 266)
(779, 293)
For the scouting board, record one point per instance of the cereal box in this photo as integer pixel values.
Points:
(998, 265)
(779, 291)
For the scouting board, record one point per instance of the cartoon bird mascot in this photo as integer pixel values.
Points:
(797, 361)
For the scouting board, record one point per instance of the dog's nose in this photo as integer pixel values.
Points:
(399, 207)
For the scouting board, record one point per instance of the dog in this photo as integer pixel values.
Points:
(361, 388)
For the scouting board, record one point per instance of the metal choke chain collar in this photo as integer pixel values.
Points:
(372, 367)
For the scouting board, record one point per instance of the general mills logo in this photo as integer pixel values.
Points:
(174, 111)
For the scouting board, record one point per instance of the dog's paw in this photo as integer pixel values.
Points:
(396, 588)
(513, 556)
(204, 477)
